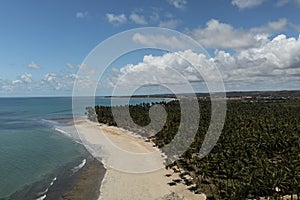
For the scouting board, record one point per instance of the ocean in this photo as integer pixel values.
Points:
(35, 150)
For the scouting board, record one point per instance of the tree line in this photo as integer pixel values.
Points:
(257, 154)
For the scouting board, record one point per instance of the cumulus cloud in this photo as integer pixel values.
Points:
(58, 82)
(271, 27)
(138, 19)
(82, 15)
(178, 71)
(274, 64)
(26, 78)
(23, 85)
(50, 77)
(169, 69)
(33, 65)
(277, 25)
(116, 19)
(246, 3)
(178, 3)
(50, 83)
(220, 35)
(14, 82)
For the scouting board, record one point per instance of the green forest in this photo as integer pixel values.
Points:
(257, 154)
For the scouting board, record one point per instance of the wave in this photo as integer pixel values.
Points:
(63, 132)
(78, 167)
(42, 195)
(78, 142)
(70, 132)
(44, 192)
(53, 180)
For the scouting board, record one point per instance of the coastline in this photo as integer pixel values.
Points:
(73, 181)
(118, 184)
(80, 181)
(69, 176)
(86, 185)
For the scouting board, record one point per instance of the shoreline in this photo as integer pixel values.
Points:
(75, 180)
(71, 180)
(77, 183)
(86, 185)
(81, 184)
(117, 184)
(95, 179)
(63, 179)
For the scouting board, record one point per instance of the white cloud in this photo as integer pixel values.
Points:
(178, 3)
(58, 82)
(271, 27)
(171, 70)
(172, 23)
(220, 35)
(26, 78)
(275, 65)
(33, 65)
(154, 70)
(16, 82)
(277, 25)
(277, 60)
(158, 39)
(50, 77)
(82, 15)
(22, 85)
(246, 3)
(138, 19)
(116, 19)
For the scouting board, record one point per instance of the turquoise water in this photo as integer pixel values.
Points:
(31, 150)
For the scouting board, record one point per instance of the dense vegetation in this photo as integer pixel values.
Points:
(257, 154)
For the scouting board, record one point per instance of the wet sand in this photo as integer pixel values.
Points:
(87, 183)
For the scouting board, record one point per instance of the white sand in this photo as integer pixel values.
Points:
(130, 161)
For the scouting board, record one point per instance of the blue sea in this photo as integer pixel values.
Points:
(34, 154)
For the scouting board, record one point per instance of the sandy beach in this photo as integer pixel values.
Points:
(135, 168)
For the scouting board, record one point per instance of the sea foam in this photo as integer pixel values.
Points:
(63, 132)
(78, 167)
(42, 195)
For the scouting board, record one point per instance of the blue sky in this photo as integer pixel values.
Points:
(43, 43)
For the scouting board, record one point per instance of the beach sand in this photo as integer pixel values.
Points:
(120, 182)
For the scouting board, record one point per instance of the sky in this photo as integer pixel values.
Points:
(254, 44)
